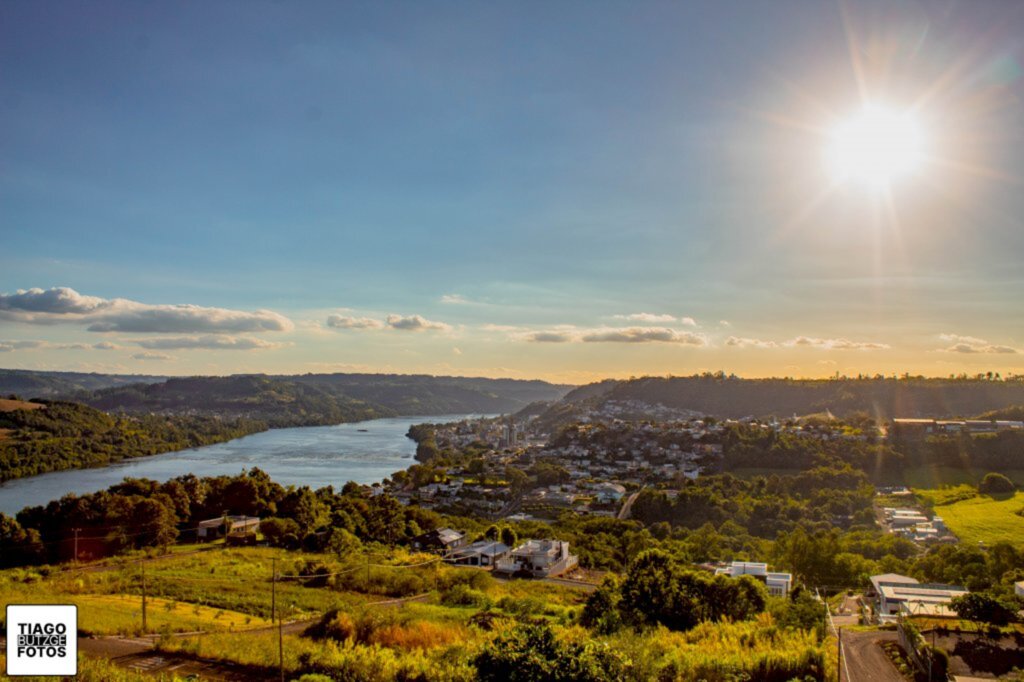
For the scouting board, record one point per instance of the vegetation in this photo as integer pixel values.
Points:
(66, 435)
(980, 518)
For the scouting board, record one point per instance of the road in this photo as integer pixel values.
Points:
(865, 660)
(628, 506)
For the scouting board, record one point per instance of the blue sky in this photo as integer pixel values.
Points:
(564, 190)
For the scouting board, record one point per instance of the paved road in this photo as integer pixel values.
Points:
(865, 660)
(626, 508)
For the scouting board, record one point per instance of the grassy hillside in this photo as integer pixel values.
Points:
(453, 617)
(980, 518)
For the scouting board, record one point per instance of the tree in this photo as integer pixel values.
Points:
(651, 594)
(601, 612)
(995, 484)
(275, 530)
(532, 652)
(983, 608)
(508, 536)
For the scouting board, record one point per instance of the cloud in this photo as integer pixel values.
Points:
(346, 322)
(415, 323)
(151, 356)
(835, 344)
(972, 344)
(740, 342)
(9, 346)
(107, 345)
(644, 335)
(549, 337)
(455, 299)
(456, 350)
(62, 304)
(207, 342)
(651, 318)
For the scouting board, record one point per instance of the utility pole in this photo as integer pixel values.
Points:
(76, 544)
(273, 616)
(144, 628)
(839, 656)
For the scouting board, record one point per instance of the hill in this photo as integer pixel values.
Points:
(32, 384)
(884, 398)
(315, 399)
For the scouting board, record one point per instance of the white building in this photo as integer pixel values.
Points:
(481, 553)
(778, 583)
(900, 593)
(227, 525)
(539, 558)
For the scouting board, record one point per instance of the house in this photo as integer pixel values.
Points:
(539, 559)
(227, 525)
(480, 553)
(441, 540)
(608, 492)
(778, 584)
(897, 594)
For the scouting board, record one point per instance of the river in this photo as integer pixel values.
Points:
(364, 452)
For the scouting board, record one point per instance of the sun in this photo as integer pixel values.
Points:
(876, 147)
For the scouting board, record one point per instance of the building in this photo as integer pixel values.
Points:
(538, 559)
(227, 525)
(778, 584)
(1018, 589)
(481, 553)
(897, 594)
(441, 540)
(608, 492)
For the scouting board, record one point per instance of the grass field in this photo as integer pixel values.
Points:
(928, 477)
(7, 405)
(981, 518)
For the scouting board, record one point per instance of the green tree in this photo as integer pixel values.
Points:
(983, 608)
(995, 484)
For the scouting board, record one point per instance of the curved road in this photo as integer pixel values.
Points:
(865, 659)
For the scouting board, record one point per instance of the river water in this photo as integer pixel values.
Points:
(364, 452)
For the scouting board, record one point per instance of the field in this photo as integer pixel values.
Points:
(12, 405)
(981, 518)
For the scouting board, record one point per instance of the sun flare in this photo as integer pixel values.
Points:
(876, 147)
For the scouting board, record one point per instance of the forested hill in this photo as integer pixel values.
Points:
(37, 437)
(32, 384)
(722, 396)
(321, 398)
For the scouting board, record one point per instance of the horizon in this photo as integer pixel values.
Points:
(568, 193)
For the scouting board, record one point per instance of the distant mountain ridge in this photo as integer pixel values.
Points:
(722, 396)
(33, 384)
(300, 400)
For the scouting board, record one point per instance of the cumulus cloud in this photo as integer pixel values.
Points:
(644, 335)
(347, 322)
(9, 346)
(740, 342)
(835, 344)
(151, 356)
(614, 335)
(415, 323)
(548, 337)
(62, 304)
(972, 344)
(210, 341)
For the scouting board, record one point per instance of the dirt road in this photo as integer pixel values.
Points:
(865, 660)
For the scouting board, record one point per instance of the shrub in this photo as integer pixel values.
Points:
(463, 595)
(994, 483)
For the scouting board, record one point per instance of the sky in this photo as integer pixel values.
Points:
(567, 191)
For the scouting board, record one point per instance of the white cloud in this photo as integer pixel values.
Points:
(613, 335)
(740, 342)
(835, 344)
(549, 337)
(347, 322)
(644, 335)
(107, 345)
(972, 344)
(62, 304)
(456, 350)
(9, 346)
(209, 341)
(151, 356)
(455, 299)
(415, 323)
